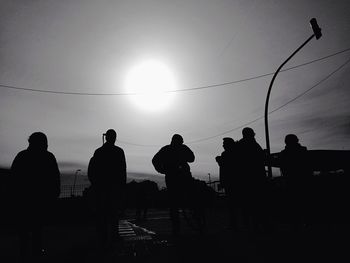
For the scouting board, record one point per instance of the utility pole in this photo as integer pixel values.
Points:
(316, 33)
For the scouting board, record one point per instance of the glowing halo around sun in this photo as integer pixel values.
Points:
(151, 80)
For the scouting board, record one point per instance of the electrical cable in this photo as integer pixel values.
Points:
(274, 110)
(174, 91)
(257, 119)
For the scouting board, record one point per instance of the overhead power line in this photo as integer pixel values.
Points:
(257, 119)
(205, 87)
(274, 110)
(173, 91)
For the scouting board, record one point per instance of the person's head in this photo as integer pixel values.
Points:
(228, 143)
(291, 139)
(177, 140)
(111, 136)
(38, 141)
(248, 133)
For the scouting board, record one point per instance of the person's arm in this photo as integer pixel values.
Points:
(189, 155)
(157, 161)
(15, 165)
(15, 172)
(218, 159)
(124, 173)
(56, 177)
(91, 170)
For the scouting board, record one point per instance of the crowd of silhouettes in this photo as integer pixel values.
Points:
(243, 176)
(36, 177)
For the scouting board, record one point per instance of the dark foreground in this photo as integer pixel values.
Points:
(151, 241)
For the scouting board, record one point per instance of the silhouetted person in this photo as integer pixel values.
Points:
(294, 161)
(36, 181)
(227, 162)
(172, 160)
(107, 174)
(296, 170)
(253, 180)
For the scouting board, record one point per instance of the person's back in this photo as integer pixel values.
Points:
(253, 180)
(229, 179)
(110, 165)
(294, 161)
(107, 174)
(35, 187)
(251, 158)
(227, 163)
(35, 174)
(172, 160)
(296, 170)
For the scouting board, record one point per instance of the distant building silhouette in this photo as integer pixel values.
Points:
(172, 160)
(36, 186)
(107, 174)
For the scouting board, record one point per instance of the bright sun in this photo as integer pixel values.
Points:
(150, 80)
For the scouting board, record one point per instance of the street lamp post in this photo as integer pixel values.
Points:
(316, 33)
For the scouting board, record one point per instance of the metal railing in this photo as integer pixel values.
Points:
(216, 186)
(71, 190)
(77, 190)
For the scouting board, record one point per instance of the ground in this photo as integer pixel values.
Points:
(151, 241)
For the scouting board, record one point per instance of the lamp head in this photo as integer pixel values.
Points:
(315, 28)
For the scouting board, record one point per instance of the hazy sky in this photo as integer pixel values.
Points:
(90, 46)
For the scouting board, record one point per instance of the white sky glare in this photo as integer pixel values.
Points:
(150, 80)
(90, 46)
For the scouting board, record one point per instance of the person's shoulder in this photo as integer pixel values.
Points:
(185, 148)
(303, 149)
(240, 142)
(258, 146)
(98, 150)
(21, 156)
(50, 155)
(118, 149)
(22, 153)
(165, 148)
